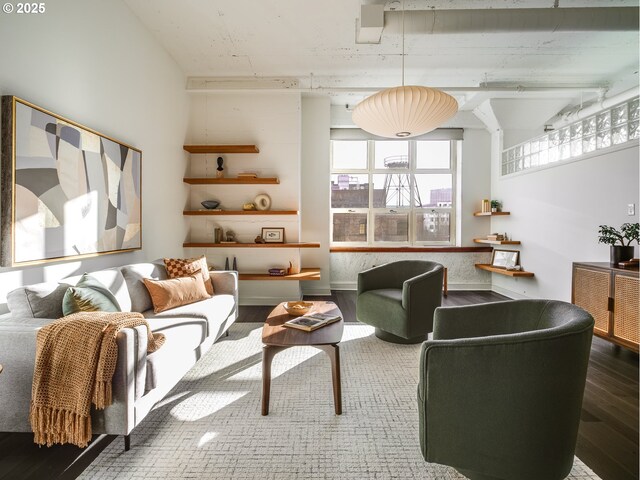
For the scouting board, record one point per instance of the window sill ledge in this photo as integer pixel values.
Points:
(410, 249)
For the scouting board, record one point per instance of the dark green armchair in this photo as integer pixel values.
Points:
(501, 387)
(399, 299)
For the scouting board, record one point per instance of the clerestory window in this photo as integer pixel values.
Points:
(608, 128)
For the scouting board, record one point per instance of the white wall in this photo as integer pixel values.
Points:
(476, 184)
(272, 122)
(315, 190)
(555, 213)
(93, 62)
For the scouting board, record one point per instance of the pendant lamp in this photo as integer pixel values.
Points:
(405, 111)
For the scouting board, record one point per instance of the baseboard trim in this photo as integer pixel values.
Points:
(508, 293)
(316, 292)
(344, 286)
(270, 300)
(470, 286)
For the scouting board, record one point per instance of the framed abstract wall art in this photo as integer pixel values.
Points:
(66, 191)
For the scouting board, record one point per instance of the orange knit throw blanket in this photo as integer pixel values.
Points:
(75, 362)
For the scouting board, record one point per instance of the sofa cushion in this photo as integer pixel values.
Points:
(89, 295)
(41, 300)
(134, 275)
(175, 292)
(184, 267)
(214, 311)
(113, 279)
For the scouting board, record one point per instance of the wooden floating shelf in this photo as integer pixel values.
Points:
(410, 249)
(503, 271)
(240, 212)
(250, 245)
(490, 214)
(231, 181)
(305, 274)
(221, 148)
(497, 242)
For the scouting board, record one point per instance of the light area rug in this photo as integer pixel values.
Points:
(210, 426)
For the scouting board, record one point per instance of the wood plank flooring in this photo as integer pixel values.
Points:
(607, 439)
(608, 434)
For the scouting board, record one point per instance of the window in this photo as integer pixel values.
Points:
(615, 126)
(393, 192)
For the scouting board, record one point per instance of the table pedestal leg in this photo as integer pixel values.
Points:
(268, 352)
(334, 354)
(445, 286)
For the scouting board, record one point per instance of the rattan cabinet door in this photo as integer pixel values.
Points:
(591, 292)
(625, 312)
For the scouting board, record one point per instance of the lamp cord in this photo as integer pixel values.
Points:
(403, 43)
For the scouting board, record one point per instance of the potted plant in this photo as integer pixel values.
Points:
(496, 205)
(620, 240)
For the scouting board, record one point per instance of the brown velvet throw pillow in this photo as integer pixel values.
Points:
(172, 293)
(183, 267)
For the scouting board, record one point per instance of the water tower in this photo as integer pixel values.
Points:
(397, 185)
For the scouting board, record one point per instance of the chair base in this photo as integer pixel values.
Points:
(388, 337)
(476, 476)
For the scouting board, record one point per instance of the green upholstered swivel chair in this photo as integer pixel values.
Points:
(399, 299)
(501, 388)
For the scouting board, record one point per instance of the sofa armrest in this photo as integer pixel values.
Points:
(128, 384)
(226, 282)
(17, 356)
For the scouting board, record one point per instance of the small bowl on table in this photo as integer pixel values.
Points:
(298, 308)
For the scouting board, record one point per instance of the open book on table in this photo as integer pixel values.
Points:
(312, 321)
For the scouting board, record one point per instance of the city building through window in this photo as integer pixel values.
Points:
(393, 192)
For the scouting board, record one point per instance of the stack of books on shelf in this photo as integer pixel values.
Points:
(277, 272)
(312, 321)
(246, 175)
(495, 237)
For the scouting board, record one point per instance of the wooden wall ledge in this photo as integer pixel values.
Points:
(411, 249)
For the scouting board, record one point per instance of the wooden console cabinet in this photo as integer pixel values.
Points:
(610, 294)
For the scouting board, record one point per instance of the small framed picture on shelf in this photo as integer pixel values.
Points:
(505, 258)
(273, 235)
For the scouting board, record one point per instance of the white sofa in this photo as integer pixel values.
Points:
(140, 380)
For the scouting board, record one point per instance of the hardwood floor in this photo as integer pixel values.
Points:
(607, 439)
(608, 435)
(346, 300)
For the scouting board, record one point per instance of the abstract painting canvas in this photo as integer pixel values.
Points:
(67, 191)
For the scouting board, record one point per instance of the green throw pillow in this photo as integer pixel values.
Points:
(89, 295)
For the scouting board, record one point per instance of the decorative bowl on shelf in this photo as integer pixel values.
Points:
(210, 204)
(298, 308)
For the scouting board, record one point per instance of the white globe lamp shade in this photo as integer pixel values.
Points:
(403, 112)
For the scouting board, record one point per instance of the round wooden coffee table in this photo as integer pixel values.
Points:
(276, 337)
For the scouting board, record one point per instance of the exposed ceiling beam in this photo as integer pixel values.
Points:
(589, 19)
(308, 84)
(370, 24)
(485, 114)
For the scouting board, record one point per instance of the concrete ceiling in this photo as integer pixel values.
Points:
(314, 42)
